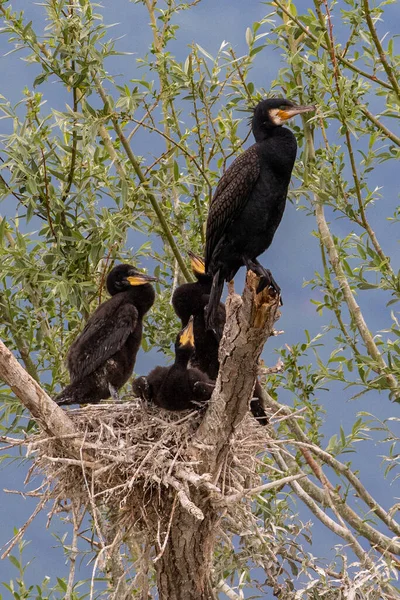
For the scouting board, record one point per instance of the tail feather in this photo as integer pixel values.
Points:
(258, 412)
(257, 406)
(211, 314)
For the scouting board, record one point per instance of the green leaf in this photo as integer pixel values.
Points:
(40, 79)
(249, 36)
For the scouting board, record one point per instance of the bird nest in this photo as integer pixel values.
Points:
(135, 459)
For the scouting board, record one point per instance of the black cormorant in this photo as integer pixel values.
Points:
(249, 201)
(178, 387)
(101, 359)
(191, 299)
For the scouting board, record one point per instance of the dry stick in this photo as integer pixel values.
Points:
(382, 55)
(353, 307)
(153, 201)
(341, 531)
(114, 563)
(143, 573)
(71, 461)
(262, 488)
(333, 462)
(184, 499)
(227, 590)
(10, 545)
(166, 538)
(73, 556)
(375, 537)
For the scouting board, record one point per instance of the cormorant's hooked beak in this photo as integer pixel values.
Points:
(197, 264)
(292, 111)
(140, 278)
(187, 335)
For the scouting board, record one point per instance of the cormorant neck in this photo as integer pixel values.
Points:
(182, 356)
(204, 279)
(142, 297)
(265, 131)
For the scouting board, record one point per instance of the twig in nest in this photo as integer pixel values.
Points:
(184, 499)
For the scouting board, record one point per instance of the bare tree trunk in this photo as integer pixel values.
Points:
(184, 569)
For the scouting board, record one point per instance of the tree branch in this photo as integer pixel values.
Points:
(330, 460)
(47, 413)
(382, 55)
(153, 201)
(350, 65)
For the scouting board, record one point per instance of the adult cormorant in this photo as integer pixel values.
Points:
(178, 387)
(249, 201)
(101, 359)
(191, 299)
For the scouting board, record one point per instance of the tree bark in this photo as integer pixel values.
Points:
(185, 567)
(43, 409)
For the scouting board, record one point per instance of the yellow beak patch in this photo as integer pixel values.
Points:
(197, 264)
(187, 335)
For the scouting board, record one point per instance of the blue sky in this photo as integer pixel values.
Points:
(294, 254)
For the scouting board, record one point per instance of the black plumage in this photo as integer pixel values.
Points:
(101, 360)
(249, 201)
(191, 299)
(178, 387)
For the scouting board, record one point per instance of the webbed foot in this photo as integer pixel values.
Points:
(114, 394)
(266, 277)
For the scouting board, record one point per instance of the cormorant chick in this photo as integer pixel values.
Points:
(191, 299)
(177, 387)
(101, 360)
(249, 201)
